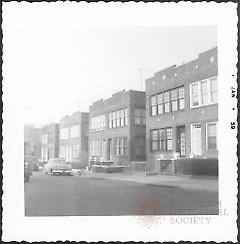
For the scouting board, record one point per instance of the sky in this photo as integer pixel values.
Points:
(65, 68)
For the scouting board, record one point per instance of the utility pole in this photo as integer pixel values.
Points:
(140, 73)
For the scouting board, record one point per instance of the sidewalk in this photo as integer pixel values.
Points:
(207, 183)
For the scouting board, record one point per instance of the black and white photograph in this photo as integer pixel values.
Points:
(119, 120)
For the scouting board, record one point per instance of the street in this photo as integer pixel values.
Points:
(47, 195)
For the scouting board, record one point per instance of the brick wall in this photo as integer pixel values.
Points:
(124, 99)
(172, 77)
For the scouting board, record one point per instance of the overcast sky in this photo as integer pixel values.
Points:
(65, 68)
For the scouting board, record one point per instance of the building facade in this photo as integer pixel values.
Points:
(32, 142)
(117, 128)
(50, 142)
(73, 138)
(182, 110)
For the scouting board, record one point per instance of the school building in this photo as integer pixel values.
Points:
(182, 110)
(117, 129)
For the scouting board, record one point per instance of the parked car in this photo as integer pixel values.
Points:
(27, 171)
(57, 166)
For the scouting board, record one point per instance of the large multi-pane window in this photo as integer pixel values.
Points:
(97, 148)
(211, 135)
(64, 133)
(118, 118)
(140, 116)
(203, 92)
(120, 146)
(161, 139)
(74, 131)
(168, 101)
(98, 123)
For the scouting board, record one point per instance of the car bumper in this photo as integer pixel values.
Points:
(62, 172)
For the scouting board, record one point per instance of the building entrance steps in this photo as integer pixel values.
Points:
(206, 183)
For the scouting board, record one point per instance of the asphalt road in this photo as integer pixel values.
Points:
(47, 195)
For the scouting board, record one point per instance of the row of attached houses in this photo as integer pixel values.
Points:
(176, 116)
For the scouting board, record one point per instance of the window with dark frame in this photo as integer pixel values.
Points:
(118, 118)
(167, 101)
(161, 139)
(211, 135)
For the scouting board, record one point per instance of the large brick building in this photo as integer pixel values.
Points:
(117, 129)
(50, 142)
(73, 138)
(182, 110)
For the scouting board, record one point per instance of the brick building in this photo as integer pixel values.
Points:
(118, 128)
(73, 138)
(50, 142)
(32, 142)
(182, 110)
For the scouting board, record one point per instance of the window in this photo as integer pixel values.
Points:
(154, 140)
(75, 151)
(64, 133)
(98, 123)
(161, 139)
(196, 139)
(160, 103)
(97, 148)
(120, 146)
(169, 139)
(154, 105)
(118, 118)
(174, 102)
(181, 98)
(168, 101)
(75, 131)
(122, 121)
(211, 135)
(213, 89)
(203, 92)
(195, 95)
(140, 116)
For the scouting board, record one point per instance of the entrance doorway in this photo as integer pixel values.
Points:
(196, 140)
(181, 141)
